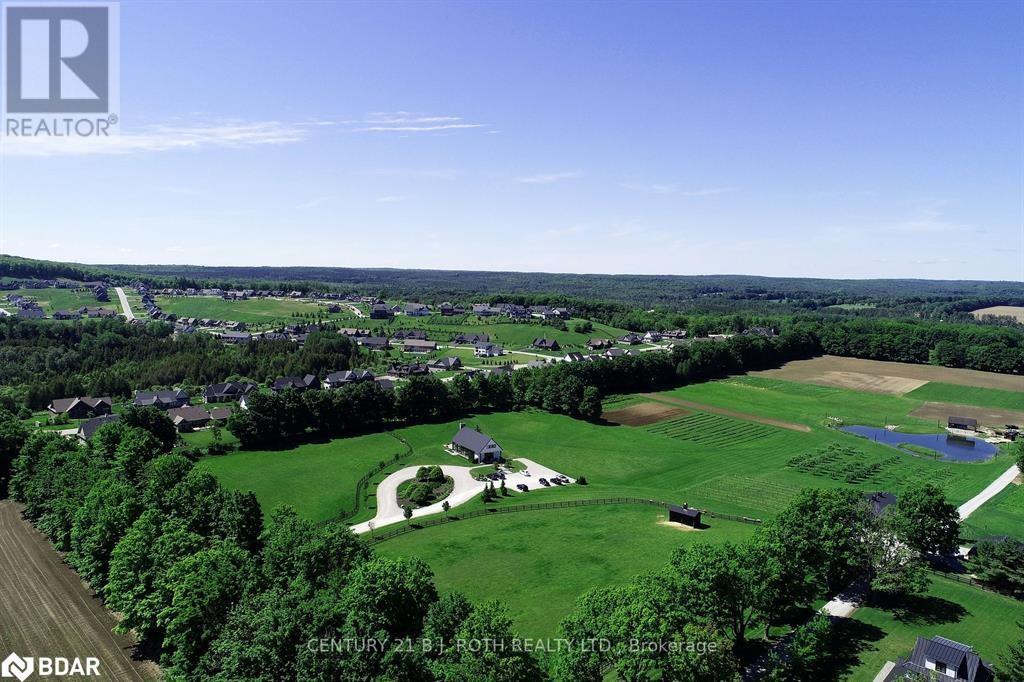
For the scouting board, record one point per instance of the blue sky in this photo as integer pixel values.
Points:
(868, 139)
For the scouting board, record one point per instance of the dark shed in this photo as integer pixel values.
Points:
(684, 515)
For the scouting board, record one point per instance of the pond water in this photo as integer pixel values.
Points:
(952, 448)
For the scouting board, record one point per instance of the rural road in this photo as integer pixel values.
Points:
(465, 489)
(993, 489)
(355, 310)
(128, 314)
(47, 611)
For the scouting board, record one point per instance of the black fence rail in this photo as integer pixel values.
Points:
(394, 532)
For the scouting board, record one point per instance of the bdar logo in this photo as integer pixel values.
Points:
(16, 666)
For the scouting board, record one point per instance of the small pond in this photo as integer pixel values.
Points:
(952, 448)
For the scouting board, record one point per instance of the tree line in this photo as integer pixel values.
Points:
(573, 389)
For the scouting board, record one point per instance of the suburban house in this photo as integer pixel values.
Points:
(573, 357)
(416, 310)
(294, 383)
(80, 408)
(485, 310)
(941, 660)
(447, 309)
(380, 311)
(231, 390)
(220, 414)
(339, 379)
(631, 339)
(471, 339)
(546, 344)
(488, 350)
(600, 344)
(418, 346)
(963, 423)
(442, 364)
(354, 333)
(411, 370)
(616, 353)
(188, 418)
(652, 337)
(66, 315)
(31, 313)
(475, 445)
(165, 400)
(235, 337)
(88, 428)
(374, 342)
(404, 334)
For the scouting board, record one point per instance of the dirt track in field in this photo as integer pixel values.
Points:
(803, 428)
(643, 414)
(895, 378)
(45, 610)
(986, 416)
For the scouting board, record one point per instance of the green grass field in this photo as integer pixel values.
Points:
(957, 611)
(1002, 515)
(938, 392)
(52, 299)
(252, 311)
(539, 562)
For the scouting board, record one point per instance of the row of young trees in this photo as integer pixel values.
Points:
(574, 389)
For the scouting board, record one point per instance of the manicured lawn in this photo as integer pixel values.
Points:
(539, 562)
(967, 614)
(318, 479)
(52, 299)
(1002, 515)
(252, 311)
(938, 392)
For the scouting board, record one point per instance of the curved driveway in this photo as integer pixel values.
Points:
(465, 488)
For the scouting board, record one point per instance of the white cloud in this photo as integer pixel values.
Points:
(406, 122)
(161, 137)
(674, 188)
(548, 178)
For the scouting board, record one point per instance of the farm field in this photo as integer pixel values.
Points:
(539, 562)
(47, 611)
(1002, 515)
(938, 413)
(1014, 311)
(52, 299)
(954, 610)
(938, 392)
(886, 377)
(719, 462)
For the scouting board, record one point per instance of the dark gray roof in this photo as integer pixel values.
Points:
(88, 428)
(959, 658)
(685, 511)
(173, 396)
(471, 439)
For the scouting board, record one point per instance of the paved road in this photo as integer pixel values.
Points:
(465, 488)
(993, 489)
(127, 309)
(45, 610)
(354, 309)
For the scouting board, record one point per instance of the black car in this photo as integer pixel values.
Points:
(556, 481)
(543, 481)
(522, 486)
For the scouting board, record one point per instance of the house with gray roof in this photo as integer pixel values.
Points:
(294, 383)
(339, 379)
(226, 392)
(81, 407)
(165, 400)
(940, 660)
(475, 445)
(88, 428)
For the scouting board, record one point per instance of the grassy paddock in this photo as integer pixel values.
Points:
(1002, 515)
(539, 562)
(52, 299)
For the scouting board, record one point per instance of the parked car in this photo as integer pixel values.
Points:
(522, 486)
(556, 481)
(543, 481)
